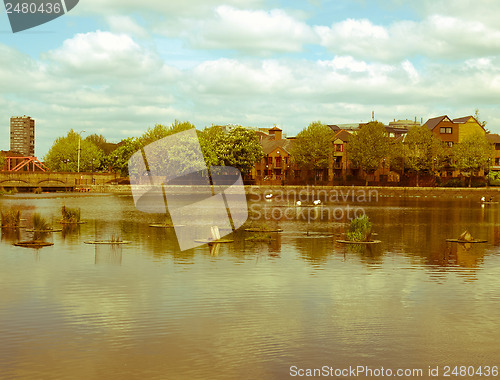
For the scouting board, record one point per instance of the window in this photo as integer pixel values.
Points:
(447, 130)
(449, 143)
(338, 147)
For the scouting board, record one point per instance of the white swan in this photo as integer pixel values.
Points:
(298, 203)
(269, 196)
(317, 202)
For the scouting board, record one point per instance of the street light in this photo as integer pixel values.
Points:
(79, 148)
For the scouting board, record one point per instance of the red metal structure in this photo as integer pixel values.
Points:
(18, 164)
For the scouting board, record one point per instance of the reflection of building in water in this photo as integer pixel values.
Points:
(108, 254)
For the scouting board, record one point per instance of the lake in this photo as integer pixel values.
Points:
(249, 309)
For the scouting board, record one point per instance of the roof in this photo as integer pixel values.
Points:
(347, 127)
(269, 146)
(493, 138)
(463, 119)
(431, 123)
(275, 128)
(342, 135)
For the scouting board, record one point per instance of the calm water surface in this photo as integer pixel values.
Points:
(248, 310)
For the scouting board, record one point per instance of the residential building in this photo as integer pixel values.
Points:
(22, 135)
(454, 131)
(495, 140)
(275, 167)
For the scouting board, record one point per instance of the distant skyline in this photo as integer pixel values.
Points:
(117, 67)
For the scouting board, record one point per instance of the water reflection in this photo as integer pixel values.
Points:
(249, 307)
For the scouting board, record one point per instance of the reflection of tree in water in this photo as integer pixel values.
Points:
(369, 254)
(108, 254)
(69, 230)
(11, 235)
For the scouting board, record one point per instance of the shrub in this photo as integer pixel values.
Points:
(40, 223)
(70, 215)
(454, 182)
(360, 229)
(11, 218)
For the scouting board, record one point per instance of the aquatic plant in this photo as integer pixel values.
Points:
(11, 218)
(359, 229)
(40, 223)
(70, 215)
(116, 238)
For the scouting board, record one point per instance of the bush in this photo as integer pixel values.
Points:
(70, 215)
(360, 229)
(40, 223)
(11, 218)
(454, 182)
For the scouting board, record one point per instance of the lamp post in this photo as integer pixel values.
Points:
(79, 148)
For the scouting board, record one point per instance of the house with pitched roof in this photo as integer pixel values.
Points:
(495, 140)
(276, 166)
(454, 131)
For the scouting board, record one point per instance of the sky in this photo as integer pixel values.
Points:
(118, 67)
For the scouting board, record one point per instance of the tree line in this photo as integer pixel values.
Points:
(239, 148)
(419, 152)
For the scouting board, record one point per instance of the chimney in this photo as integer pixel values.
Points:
(276, 133)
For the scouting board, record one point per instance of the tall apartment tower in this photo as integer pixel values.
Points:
(22, 135)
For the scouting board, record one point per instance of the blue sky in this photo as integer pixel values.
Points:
(117, 67)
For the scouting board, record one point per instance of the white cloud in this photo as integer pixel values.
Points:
(257, 31)
(126, 24)
(437, 36)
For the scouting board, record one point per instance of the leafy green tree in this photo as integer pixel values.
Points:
(63, 155)
(482, 123)
(211, 139)
(240, 148)
(472, 154)
(2, 160)
(312, 147)
(101, 142)
(117, 160)
(368, 147)
(423, 152)
(160, 131)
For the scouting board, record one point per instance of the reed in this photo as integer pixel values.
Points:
(11, 218)
(70, 215)
(40, 223)
(360, 229)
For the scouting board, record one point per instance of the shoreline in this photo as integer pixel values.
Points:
(338, 191)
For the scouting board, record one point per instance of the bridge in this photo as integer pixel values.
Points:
(54, 181)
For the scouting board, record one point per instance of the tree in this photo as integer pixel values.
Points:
(211, 139)
(472, 154)
(368, 147)
(482, 123)
(2, 160)
(312, 147)
(423, 152)
(63, 155)
(117, 160)
(240, 148)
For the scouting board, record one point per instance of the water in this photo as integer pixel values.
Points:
(248, 310)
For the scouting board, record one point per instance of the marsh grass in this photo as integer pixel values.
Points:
(70, 215)
(40, 223)
(360, 229)
(11, 218)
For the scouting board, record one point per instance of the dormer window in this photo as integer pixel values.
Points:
(447, 130)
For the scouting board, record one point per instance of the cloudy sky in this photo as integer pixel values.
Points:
(117, 67)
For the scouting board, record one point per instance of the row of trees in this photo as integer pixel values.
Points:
(239, 148)
(420, 152)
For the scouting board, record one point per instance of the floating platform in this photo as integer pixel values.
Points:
(359, 242)
(207, 241)
(33, 244)
(46, 231)
(108, 242)
(465, 241)
(165, 225)
(262, 230)
(69, 223)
